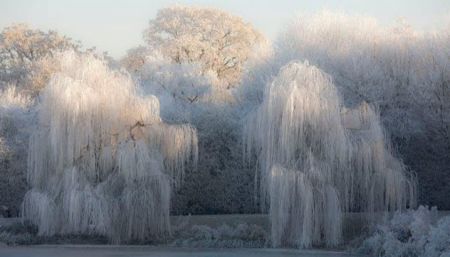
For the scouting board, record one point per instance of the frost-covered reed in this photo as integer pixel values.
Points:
(318, 159)
(101, 160)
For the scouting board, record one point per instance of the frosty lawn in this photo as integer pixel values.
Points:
(75, 251)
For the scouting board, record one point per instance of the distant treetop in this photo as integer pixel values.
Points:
(217, 40)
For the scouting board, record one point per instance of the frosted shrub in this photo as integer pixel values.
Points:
(413, 233)
(101, 161)
(318, 159)
(439, 239)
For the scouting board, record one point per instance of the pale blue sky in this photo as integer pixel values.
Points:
(117, 25)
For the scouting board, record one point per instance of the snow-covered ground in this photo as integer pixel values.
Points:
(129, 251)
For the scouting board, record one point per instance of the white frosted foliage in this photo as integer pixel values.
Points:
(101, 160)
(318, 159)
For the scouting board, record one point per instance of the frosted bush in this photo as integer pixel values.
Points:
(439, 239)
(413, 233)
(101, 160)
(318, 159)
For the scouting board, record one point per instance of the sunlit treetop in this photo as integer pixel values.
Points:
(22, 48)
(219, 41)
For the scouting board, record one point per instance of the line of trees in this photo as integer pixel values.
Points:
(209, 68)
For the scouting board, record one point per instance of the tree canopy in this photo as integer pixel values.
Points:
(217, 40)
(22, 48)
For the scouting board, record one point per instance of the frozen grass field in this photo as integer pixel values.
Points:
(119, 251)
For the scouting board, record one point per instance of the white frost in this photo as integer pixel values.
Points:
(101, 160)
(314, 164)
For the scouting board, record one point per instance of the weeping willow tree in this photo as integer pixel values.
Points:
(318, 159)
(101, 160)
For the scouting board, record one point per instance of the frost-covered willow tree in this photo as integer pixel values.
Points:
(26, 64)
(405, 72)
(319, 160)
(101, 160)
